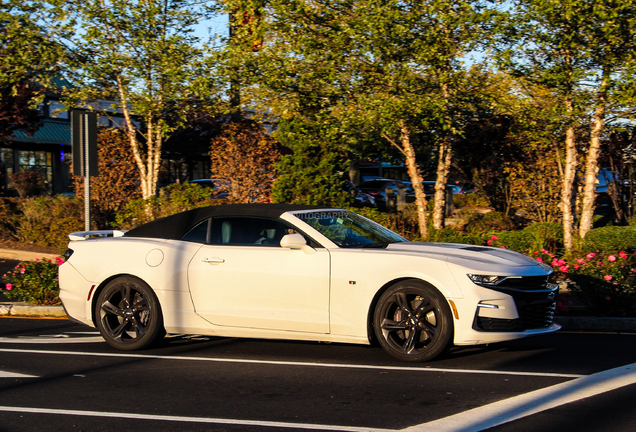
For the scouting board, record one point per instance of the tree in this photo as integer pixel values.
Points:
(245, 155)
(311, 174)
(16, 110)
(144, 58)
(30, 57)
(118, 177)
(576, 49)
(394, 66)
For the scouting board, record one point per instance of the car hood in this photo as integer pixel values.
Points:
(470, 255)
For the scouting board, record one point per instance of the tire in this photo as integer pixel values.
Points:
(413, 322)
(128, 314)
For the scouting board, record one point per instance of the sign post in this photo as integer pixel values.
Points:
(84, 143)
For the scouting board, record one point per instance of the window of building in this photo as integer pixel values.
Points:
(39, 162)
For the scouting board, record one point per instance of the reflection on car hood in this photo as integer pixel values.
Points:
(466, 254)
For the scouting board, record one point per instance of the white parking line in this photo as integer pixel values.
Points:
(4, 374)
(474, 420)
(119, 415)
(524, 405)
(287, 363)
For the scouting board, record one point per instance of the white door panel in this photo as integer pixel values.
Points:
(261, 287)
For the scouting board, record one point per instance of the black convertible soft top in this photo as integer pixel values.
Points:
(175, 226)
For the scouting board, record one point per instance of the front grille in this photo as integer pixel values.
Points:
(538, 315)
(535, 306)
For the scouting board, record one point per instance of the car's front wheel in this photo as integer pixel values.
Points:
(413, 322)
(128, 314)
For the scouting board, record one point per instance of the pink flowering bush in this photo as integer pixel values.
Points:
(34, 282)
(604, 282)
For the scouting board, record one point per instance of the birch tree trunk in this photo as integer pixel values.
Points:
(406, 148)
(567, 193)
(148, 169)
(591, 162)
(443, 167)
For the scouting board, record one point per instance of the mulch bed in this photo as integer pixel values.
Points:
(30, 247)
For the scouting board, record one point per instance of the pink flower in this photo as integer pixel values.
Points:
(489, 242)
(494, 238)
(22, 271)
(590, 255)
(503, 247)
(608, 298)
(634, 270)
(576, 266)
(8, 287)
(544, 251)
(37, 259)
(622, 254)
(580, 260)
(608, 277)
(555, 262)
(541, 260)
(536, 253)
(564, 269)
(611, 258)
(561, 262)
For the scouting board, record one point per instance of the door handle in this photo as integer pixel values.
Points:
(214, 260)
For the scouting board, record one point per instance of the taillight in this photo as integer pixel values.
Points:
(67, 254)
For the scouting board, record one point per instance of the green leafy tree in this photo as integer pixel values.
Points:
(311, 174)
(144, 57)
(394, 66)
(30, 57)
(579, 50)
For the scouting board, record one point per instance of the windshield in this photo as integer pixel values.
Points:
(348, 229)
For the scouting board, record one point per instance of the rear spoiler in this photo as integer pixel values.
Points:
(85, 235)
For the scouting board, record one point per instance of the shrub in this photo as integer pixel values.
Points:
(34, 282)
(28, 183)
(8, 219)
(470, 200)
(488, 222)
(545, 235)
(610, 239)
(605, 283)
(47, 221)
(118, 179)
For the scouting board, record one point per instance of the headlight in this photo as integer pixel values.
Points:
(487, 280)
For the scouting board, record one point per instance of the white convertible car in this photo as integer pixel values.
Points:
(300, 272)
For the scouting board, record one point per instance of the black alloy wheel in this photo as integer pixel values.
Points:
(413, 321)
(128, 314)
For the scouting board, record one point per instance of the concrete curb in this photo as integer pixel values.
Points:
(19, 255)
(32, 311)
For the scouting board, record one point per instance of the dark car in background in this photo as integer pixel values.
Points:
(377, 189)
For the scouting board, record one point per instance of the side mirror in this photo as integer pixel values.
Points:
(296, 241)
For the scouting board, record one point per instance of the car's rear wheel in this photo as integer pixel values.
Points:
(128, 314)
(413, 322)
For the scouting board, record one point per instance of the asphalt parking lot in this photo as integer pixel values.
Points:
(62, 375)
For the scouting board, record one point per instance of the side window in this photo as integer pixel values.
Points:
(248, 231)
(198, 233)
